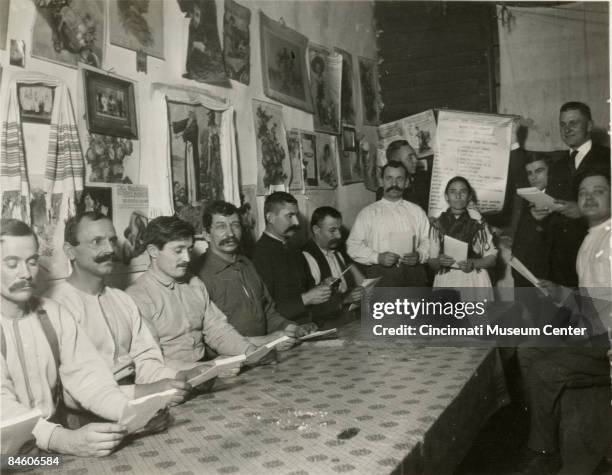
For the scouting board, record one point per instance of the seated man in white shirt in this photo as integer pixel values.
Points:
(391, 237)
(327, 262)
(109, 316)
(42, 350)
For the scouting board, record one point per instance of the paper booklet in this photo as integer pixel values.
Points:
(521, 269)
(16, 431)
(320, 335)
(455, 248)
(230, 361)
(138, 412)
(206, 375)
(366, 284)
(537, 197)
(264, 350)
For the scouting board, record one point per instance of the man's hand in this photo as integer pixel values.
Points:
(91, 440)
(539, 213)
(411, 259)
(569, 209)
(181, 388)
(319, 294)
(557, 292)
(388, 259)
(445, 261)
(186, 375)
(158, 422)
(466, 266)
(354, 296)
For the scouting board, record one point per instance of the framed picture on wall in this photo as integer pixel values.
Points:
(35, 102)
(347, 96)
(308, 146)
(285, 76)
(326, 161)
(349, 139)
(110, 105)
(368, 74)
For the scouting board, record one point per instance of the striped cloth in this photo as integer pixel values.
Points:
(64, 170)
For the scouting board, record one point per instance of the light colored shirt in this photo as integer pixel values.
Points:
(378, 226)
(113, 324)
(182, 318)
(582, 151)
(334, 266)
(29, 375)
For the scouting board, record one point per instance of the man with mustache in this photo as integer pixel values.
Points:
(175, 304)
(327, 262)
(42, 350)
(234, 284)
(108, 315)
(281, 264)
(391, 237)
(547, 372)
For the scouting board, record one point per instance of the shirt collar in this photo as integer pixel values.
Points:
(384, 200)
(601, 226)
(216, 264)
(326, 252)
(163, 280)
(276, 238)
(584, 148)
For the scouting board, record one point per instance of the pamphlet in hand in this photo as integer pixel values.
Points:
(521, 269)
(230, 361)
(320, 335)
(206, 375)
(138, 412)
(455, 248)
(366, 284)
(262, 351)
(537, 197)
(16, 431)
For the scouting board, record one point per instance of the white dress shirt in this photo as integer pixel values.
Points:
(582, 151)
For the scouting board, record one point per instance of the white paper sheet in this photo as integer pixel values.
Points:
(401, 243)
(139, 412)
(16, 431)
(537, 197)
(521, 269)
(455, 248)
(333, 332)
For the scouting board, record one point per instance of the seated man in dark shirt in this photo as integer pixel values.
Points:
(281, 265)
(234, 284)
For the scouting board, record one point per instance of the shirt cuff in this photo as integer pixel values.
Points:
(42, 433)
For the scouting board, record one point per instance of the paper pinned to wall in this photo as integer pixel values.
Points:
(418, 129)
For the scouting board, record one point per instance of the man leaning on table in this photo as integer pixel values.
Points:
(43, 349)
(177, 306)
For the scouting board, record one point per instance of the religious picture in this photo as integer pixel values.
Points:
(35, 102)
(70, 32)
(347, 96)
(326, 161)
(273, 167)
(308, 144)
(204, 54)
(283, 62)
(296, 179)
(130, 218)
(111, 159)
(325, 84)
(237, 42)
(368, 74)
(197, 173)
(138, 25)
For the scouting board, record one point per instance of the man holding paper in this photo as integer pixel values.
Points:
(109, 316)
(43, 349)
(234, 284)
(328, 263)
(391, 236)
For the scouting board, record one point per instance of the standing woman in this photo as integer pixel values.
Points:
(468, 226)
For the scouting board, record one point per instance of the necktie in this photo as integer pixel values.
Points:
(348, 276)
(573, 154)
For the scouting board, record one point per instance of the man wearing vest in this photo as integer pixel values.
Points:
(234, 284)
(43, 350)
(328, 263)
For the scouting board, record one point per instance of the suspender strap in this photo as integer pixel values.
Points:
(50, 334)
(2, 343)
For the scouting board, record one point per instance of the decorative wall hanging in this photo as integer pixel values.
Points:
(368, 75)
(347, 96)
(325, 83)
(138, 25)
(326, 161)
(70, 32)
(237, 42)
(283, 62)
(296, 177)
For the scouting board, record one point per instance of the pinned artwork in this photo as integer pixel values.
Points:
(70, 32)
(17, 54)
(325, 84)
(351, 167)
(368, 74)
(284, 69)
(111, 160)
(138, 25)
(347, 96)
(237, 42)
(35, 102)
(308, 146)
(296, 178)
(326, 161)
(204, 55)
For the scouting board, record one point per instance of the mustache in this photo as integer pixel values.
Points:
(104, 258)
(183, 265)
(293, 227)
(22, 284)
(334, 241)
(396, 188)
(223, 242)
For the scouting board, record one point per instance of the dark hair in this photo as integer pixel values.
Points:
(531, 157)
(394, 164)
(323, 212)
(394, 147)
(218, 207)
(595, 170)
(72, 225)
(577, 106)
(16, 228)
(164, 229)
(465, 182)
(276, 199)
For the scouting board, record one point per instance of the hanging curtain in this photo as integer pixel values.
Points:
(550, 55)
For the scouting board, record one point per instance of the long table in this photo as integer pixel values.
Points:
(346, 406)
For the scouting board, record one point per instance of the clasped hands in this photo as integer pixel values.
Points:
(447, 261)
(390, 259)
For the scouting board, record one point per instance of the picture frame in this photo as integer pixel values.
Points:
(35, 102)
(308, 147)
(368, 76)
(284, 68)
(349, 139)
(110, 105)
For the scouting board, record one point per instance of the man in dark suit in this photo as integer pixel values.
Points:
(575, 124)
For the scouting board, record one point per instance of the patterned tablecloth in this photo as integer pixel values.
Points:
(360, 407)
